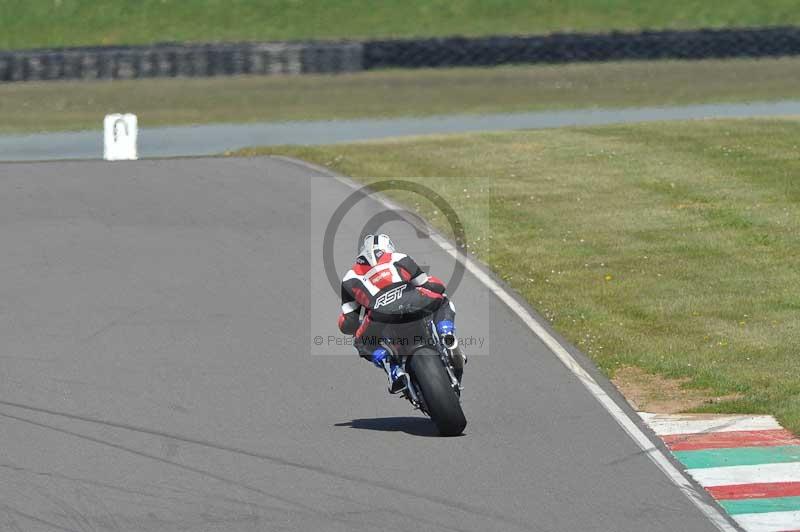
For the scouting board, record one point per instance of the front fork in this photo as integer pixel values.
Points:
(448, 359)
(454, 382)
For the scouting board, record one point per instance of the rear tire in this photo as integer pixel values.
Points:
(441, 400)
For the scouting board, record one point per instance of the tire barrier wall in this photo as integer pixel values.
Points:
(159, 61)
(230, 59)
(579, 47)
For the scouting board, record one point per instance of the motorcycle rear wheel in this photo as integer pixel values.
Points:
(441, 400)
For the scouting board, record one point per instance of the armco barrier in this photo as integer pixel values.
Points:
(230, 59)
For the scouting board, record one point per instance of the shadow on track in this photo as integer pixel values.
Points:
(416, 426)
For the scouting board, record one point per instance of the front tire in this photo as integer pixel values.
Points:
(441, 400)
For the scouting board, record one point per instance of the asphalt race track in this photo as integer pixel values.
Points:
(212, 139)
(157, 375)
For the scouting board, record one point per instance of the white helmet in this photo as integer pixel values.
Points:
(373, 248)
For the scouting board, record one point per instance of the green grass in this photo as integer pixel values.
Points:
(37, 23)
(671, 247)
(51, 106)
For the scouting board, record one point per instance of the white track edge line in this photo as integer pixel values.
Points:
(686, 425)
(653, 452)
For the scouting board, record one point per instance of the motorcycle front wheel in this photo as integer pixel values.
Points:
(441, 400)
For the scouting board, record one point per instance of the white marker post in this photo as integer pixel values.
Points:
(119, 137)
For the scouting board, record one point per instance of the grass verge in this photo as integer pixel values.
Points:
(53, 106)
(35, 23)
(669, 247)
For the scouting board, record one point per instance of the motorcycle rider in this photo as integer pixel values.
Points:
(390, 287)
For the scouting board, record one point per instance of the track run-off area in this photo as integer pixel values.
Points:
(158, 374)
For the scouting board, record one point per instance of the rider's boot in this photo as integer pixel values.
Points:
(398, 379)
(447, 333)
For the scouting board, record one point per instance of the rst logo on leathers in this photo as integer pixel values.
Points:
(390, 297)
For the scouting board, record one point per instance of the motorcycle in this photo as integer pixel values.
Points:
(434, 373)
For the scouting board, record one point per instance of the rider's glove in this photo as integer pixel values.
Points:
(378, 356)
